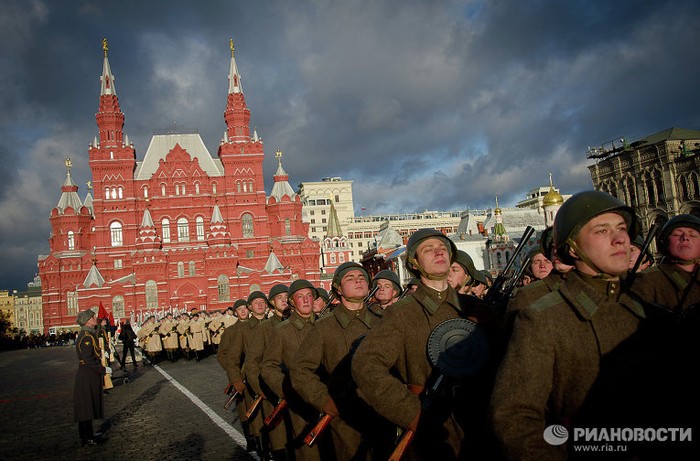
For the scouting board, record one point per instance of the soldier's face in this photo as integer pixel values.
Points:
(386, 291)
(433, 256)
(303, 301)
(280, 302)
(684, 243)
(242, 312)
(604, 239)
(457, 277)
(354, 285)
(257, 306)
(319, 304)
(540, 266)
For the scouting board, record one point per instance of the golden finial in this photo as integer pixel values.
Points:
(69, 164)
(230, 44)
(89, 185)
(278, 154)
(104, 46)
(551, 184)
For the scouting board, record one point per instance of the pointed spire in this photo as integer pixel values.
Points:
(218, 232)
(334, 229)
(107, 79)
(69, 193)
(234, 77)
(148, 235)
(147, 221)
(281, 186)
(273, 263)
(255, 135)
(216, 217)
(94, 277)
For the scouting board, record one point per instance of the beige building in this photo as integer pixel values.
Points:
(316, 198)
(7, 306)
(28, 313)
(657, 175)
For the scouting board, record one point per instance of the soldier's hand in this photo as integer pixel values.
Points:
(329, 408)
(239, 386)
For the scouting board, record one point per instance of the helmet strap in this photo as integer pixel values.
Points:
(583, 257)
(423, 273)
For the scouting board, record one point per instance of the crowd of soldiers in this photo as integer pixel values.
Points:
(446, 368)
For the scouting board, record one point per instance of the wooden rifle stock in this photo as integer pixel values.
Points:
(234, 395)
(405, 441)
(371, 293)
(272, 419)
(318, 429)
(254, 406)
(107, 384)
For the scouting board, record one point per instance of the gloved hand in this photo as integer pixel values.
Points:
(108, 370)
(239, 386)
(329, 408)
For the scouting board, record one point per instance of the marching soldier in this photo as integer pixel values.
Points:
(391, 365)
(149, 339)
(168, 332)
(182, 329)
(196, 335)
(565, 344)
(326, 351)
(259, 342)
(216, 328)
(287, 339)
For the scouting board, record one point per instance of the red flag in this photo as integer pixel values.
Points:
(101, 313)
(111, 320)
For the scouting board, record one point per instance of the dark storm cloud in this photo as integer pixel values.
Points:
(425, 105)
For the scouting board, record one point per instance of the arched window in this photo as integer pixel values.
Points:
(114, 192)
(191, 268)
(247, 224)
(165, 224)
(72, 301)
(341, 257)
(213, 188)
(196, 188)
(145, 191)
(659, 187)
(180, 269)
(120, 192)
(287, 227)
(177, 189)
(182, 189)
(183, 230)
(71, 240)
(223, 288)
(162, 190)
(333, 258)
(118, 307)
(694, 182)
(151, 294)
(254, 287)
(245, 187)
(116, 234)
(200, 228)
(106, 193)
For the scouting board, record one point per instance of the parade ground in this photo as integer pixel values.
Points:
(170, 411)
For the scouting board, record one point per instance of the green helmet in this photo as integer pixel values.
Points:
(463, 259)
(323, 293)
(300, 284)
(345, 268)
(239, 303)
(415, 240)
(277, 289)
(547, 242)
(389, 275)
(638, 242)
(681, 220)
(580, 209)
(257, 295)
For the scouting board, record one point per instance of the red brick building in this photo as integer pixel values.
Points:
(178, 229)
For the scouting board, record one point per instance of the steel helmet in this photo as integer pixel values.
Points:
(415, 240)
(389, 275)
(580, 209)
(345, 268)
(301, 284)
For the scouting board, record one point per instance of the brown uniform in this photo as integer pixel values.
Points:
(230, 359)
(282, 347)
(393, 357)
(325, 351)
(248, 331)
(259, 342)
(669, 286)
(560, 348)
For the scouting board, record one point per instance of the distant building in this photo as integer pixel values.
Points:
(316, 198)
(657, 175)
(177, 230)
(28, 312)
(7, 306)
(334, 248)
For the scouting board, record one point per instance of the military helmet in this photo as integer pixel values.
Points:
(463, 259)
(300, 284)
(415, 240)
(681, 220)
(322, 293)
(277, 289)
(580, 209)
(547, 242)
(256, 295)
(344, 269)
(389, 275)
(239, 303)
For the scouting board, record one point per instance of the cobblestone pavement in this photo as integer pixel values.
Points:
(173, 411)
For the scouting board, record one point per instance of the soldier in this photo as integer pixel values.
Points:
(182, 329)
(561, 344)
(635, 250)
(391, 365)
(87, 394)
(463, 275)
(388, 291)
(229, 318)
(216, 328)
(326, 351)
(230, 357)
(149, 339)
(321, 300)
(259, 342)
(282, 347)
(540, 265)
(195, 335)
(412, 285)
(168, 333)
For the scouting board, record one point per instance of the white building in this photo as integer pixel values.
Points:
(316, 198)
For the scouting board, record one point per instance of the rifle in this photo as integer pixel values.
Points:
(513, 282)
(496, 296)
(107, 384)
(273, 417)
(371, 293)
(331, 298)
(642, 254)
(254, 406)
(320, 426)
(234, 395)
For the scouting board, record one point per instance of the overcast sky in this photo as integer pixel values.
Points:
(438, 105)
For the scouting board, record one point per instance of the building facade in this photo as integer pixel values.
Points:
(28, 312)
(657, 175)
(317, 198)
(179, 229)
